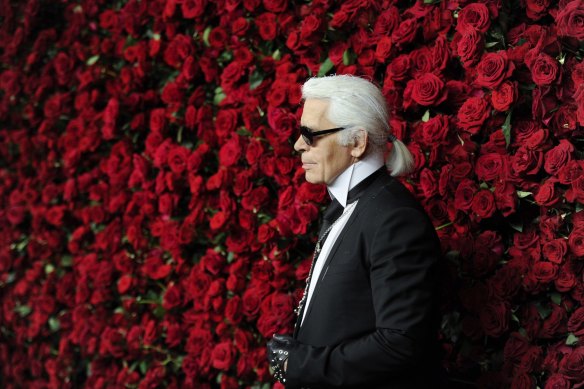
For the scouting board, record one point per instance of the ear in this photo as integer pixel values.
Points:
(359, 143)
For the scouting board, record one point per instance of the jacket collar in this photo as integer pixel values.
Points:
(353, 175)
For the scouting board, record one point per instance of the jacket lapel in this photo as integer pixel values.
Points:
(369, 193)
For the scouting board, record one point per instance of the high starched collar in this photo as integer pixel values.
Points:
(353, 175)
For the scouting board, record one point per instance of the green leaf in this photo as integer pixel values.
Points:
(230, 257)
(325, 67)
(179, 135)
(23, 310)
(219, 96)
(206, 36)
(66, 261)
(579, 207)
(49, 268)
(54, 324)
(544, 311)
(426, 116)
(556, 298)
(255, 80)
(488, 45)
(571, 340)
(443, 226)
(347, 58)
(92, 60)
(521, 194)
(507, 129)
(277, 55)
(143, 366)
(516, 225)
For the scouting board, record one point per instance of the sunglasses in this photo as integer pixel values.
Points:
(308, 135)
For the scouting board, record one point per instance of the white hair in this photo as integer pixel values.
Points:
(357, 104)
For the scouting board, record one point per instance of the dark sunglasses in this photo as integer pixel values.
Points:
(308, 135)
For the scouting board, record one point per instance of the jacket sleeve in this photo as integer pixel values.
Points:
(402, 254)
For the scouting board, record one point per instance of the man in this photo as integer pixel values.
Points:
(368, 318)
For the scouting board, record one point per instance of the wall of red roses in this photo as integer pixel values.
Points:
(156, 226)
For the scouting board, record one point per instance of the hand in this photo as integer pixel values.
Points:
(279, 349)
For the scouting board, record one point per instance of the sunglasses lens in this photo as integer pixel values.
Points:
(306, 135)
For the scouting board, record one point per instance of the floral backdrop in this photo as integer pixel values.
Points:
(156, 226)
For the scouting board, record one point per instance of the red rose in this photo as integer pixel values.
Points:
(421, 62)
(474, 16)
(493, 69)
(558, 157)
(157, 120)
(576, 241)
(230, 152)
(275, 5)
(505, 283)
(383, 49)
(255, 199)
(387, 21)
(398, 69)
(63, 67)
(178, 50)
(193, 8)
(405, 32)
(252, 299)
(570, 19)
(490, 166)
(576, 191)
(555, 250)
(564, 120)
(576, 322)
(267, 26)
(222, 355)
(426, 90)
(557, 381)
(435, 131)
(310, 25)
(522, 381)
(505, 197)
(494, 318)
(544, 69)
(177, 159)
(566, 279)
(504, 96)
(483, 204)
(470, 47)
(526, 161)
(515, 347)
(536, 9)
(428, 183)
(473, 113)
(233, 311)
(572, 366)
(112, 342)
(545, 272)
(173, 297)
(546, 194)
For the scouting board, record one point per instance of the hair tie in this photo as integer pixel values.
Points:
(391, 138)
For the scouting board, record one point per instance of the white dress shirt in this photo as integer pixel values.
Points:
(339, 190)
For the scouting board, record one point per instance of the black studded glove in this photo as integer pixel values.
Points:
(279, 349)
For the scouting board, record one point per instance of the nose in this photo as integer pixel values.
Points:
(300, 145)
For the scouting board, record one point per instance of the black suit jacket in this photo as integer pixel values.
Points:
(372, 321)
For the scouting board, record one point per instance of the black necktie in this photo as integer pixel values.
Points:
(335, 209)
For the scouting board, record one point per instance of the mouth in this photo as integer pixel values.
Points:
(307, 165)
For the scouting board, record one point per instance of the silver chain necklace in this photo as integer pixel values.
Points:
(317, 250)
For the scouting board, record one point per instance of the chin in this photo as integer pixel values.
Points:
(312, 180)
